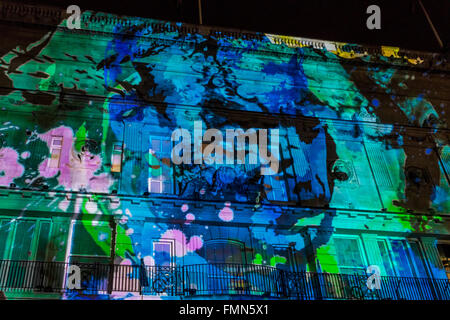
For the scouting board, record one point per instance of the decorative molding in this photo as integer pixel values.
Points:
(103, 23)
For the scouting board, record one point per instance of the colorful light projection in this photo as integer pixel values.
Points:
(334, 157)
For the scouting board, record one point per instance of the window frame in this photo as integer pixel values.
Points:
(171, 167)
(412, 262)
(227, 241)
(54, 147)
(172, 244)
(389, 253)
(35, 240)
(117, 167)
(70, 255)
(446, 269)
(360, 249)
(291, 262)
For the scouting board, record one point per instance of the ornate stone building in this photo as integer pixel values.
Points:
(87, 177)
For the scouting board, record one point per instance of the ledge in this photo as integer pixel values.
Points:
(233, 38)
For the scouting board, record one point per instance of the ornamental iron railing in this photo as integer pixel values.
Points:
(209, 280)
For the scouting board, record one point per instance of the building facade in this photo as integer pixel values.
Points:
(87, 121)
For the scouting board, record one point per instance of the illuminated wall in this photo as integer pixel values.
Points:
(86, 118)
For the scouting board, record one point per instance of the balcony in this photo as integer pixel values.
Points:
(208, 280)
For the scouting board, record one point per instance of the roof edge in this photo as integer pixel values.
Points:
(105, 22)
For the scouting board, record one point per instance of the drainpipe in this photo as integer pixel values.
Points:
(200, 11)
(251, 245)
(113, 226)
(119, 185)
(436, 35)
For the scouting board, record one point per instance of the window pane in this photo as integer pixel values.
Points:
(163, 253)
(54, 159)
(386, 258)
(56, 141)
(43, 241)
(275, 187)
(418, 259)
(444, 252)
(55, 152)
(23, 240)
(167, 187)
(348, 254)
(6, 227)
(116, 162)
(401, 258)
(166, 146)
(156, 145)
(224, 252)
(160, 166)
(281, 258)
(95, 242)
(155, 186)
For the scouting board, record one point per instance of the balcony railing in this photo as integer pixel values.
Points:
(209, 280)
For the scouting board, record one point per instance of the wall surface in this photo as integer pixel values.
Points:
(363, 148)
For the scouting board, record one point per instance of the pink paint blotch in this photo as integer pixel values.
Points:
(10, 168)
(189, 218)
(195, 242)
(77, 170)
(226, 214)
(25, 155)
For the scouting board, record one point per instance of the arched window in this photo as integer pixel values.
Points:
(225, 251)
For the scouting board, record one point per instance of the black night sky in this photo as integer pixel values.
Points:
(403, 22)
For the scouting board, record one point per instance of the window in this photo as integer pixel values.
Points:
(275, 187)
(225, 251)
(444, 253)
(116, 161)
(403, 258)
(163, 253)
(225, 272)
(407, 258)
(24, 240)
(160, 175)
(387, 262)
(43, 240)
(349, 255)
(380, 166)
(6, 228)
(418, 260)
(55, 152)
(283, 258)
(90, 243)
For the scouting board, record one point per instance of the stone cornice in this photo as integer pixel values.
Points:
(165, 202)
(411, 133)
(103, 23)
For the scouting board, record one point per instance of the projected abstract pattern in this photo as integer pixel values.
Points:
(137, 91)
